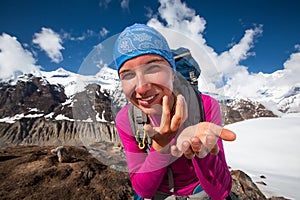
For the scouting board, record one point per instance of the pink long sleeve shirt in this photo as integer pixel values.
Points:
(148, 171)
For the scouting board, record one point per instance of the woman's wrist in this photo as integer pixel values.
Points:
(156, 146)
(163, 147)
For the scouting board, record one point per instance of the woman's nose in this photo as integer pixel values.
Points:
(142, 84)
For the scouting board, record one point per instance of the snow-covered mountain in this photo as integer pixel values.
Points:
(56, 108)
(54, 94)
(274, 91)
(74, 83)
(278, 100)
(281, 100)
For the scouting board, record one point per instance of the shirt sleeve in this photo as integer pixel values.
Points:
(212, 170)
(146, 170)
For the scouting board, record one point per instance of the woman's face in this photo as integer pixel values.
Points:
(146, 79)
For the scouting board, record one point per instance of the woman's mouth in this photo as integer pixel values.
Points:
(146, 101)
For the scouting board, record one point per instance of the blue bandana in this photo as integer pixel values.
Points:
(140, 39)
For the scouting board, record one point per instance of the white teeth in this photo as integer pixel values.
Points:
(148, 98)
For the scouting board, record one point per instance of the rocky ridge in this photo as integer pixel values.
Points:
(243, 109)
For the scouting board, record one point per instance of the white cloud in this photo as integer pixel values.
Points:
(14, 58)
(125, 4)
(104, 3)
(68, 36)
(184, 28)
(253, 85)
(228, 61)
(103, 32)
(85, 35)
(51, 43)
(292, 69)
(222, 72)
(180, 18)
(149, 12)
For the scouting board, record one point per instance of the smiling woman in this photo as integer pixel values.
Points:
(193, 167)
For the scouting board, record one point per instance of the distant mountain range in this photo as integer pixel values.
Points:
(61, 89)
(278, 100)
(69, 104)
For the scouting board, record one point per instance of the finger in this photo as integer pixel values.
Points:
(150, 130)
(203, 152)
(185, 135)
(215, 150)
(184, 108)
(166, 112)
(227, 135)
(165, 118)
(187, 151)
(196, 144)
(175, 151)
(213, 129)
(185, 146)
(176, 119)
(180, 113)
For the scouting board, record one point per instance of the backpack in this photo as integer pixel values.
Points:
(187, 68)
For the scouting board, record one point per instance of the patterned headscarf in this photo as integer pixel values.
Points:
(140, 39)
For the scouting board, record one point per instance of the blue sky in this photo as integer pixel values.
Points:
(80, 25)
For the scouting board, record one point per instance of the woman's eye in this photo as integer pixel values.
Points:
(127, 75)
(153, 69)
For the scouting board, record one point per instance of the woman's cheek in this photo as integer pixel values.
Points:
(128, 89)
(165, 80)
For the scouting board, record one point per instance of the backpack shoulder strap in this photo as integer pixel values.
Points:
(200, 102)
(138, 119)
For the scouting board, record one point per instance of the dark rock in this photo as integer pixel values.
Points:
(92, 102)
(261, 183)
(239, 110)
(39, 131)
(262, 176)
(243, 186)
(32, 172)
(277, 198)
(33, 92)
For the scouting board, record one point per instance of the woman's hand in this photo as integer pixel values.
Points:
(200, 140)
(162, 135)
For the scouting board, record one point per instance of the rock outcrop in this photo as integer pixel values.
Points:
(30, 93)
(39, 131)
(239, 110)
